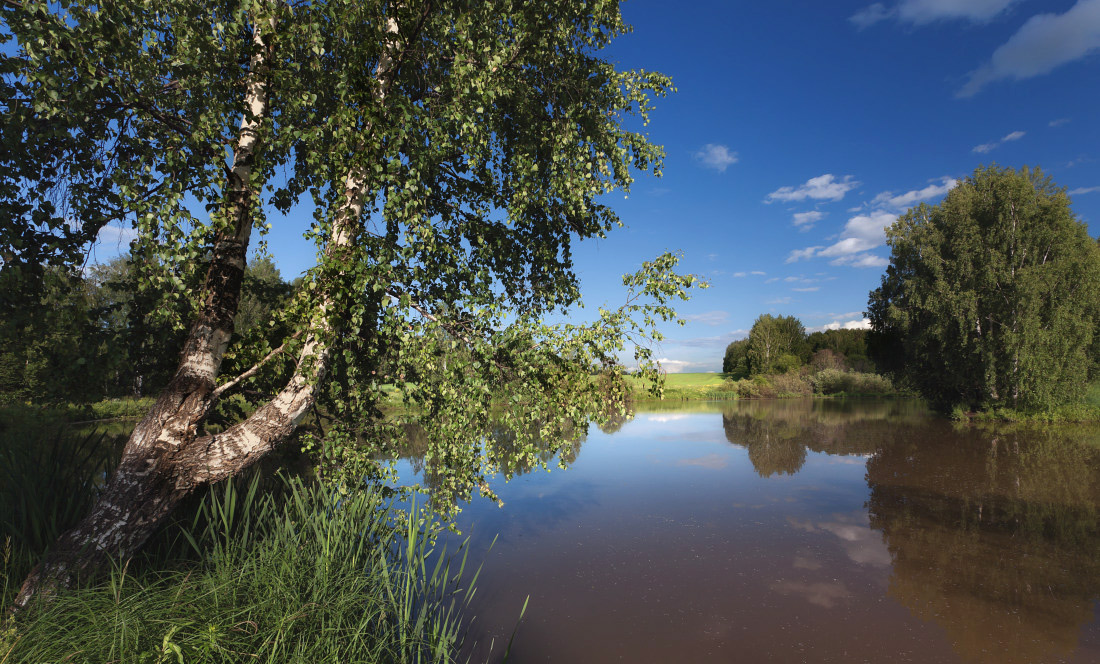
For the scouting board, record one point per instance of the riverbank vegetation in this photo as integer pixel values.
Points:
(261, 568)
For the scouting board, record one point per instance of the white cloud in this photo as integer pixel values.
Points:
(810, 289)
(779, 300)
(822, 188)
(1043, 43)
(1083, 190)
(921, 12)
(988, 147)
(739, 274)
(806, 220)
(1058, 123)
(715, 156)
(860, 324)
(116, 235)
(862, 233)
(681, 366)
(709, 317)
(861, 260)
(758, 273)
(901, 201)
(870, 15)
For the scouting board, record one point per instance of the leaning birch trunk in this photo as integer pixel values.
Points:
(241, 445)
(142, 490)
(164, 460)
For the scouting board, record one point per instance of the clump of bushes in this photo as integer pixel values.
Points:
(834, 381)
(827, 382)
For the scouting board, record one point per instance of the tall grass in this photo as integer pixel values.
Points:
(265, 569)
(315, 574)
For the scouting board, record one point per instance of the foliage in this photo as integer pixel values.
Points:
(736, 359)
(453, 154)
(849, 345)
(314, 575)
(991, 297)
(834, 381)
(772, 337)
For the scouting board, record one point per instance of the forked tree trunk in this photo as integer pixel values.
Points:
(165, 460)
(147, 483)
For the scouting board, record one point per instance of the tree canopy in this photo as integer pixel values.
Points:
(991, 297)
(452, 153)
(776, 343)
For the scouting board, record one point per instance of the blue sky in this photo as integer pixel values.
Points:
(800, 129)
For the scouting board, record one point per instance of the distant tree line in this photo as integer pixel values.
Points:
(104, 332)
(779, 344)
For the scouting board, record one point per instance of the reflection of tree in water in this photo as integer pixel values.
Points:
(777, 434)
(994, 535)
(501, 452)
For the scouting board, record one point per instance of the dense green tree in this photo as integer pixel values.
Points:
(991, 297)
(453, 151)
(851, 345)
(736, 359)
(771, 339)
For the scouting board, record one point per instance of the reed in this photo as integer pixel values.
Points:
(309, 573)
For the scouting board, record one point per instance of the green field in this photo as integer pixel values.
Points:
(687, 386)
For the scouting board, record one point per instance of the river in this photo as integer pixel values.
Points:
(796, 531)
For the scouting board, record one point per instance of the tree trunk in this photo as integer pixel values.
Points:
(165, 460)
(147, 483)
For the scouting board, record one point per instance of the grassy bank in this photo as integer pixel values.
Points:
(260, 569)
(716, 387)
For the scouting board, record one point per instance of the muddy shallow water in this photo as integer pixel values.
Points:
(792, 531)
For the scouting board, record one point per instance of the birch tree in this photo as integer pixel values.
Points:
(991, 297)
(452, 152)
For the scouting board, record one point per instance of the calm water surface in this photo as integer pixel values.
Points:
(791, 531)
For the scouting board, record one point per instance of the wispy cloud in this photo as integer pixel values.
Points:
(717, 341)
(862, 233)
(718, 157)
(1083, 190)
(803, 254)
(804, 221)
(739, 274)
(870, 15)
(758, 273)
(1043, 43)
(779, 300)
(921, 12)
(989, 147)
(902, 201)
(860, 260)
(809, 289)
(823, 188)
(709, 317)
(1058, 123)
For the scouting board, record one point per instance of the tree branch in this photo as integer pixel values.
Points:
(225, 387)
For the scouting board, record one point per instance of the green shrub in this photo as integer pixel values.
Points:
(791, 385)
(834, 381)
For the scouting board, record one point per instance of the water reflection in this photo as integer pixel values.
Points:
(801, 531)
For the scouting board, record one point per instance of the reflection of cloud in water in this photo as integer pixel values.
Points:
(806, 562)
(862, 545)
(530, 513)
(664, 417)
(823, 594)
(715, 461)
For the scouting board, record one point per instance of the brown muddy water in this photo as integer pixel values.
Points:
(797, 531)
